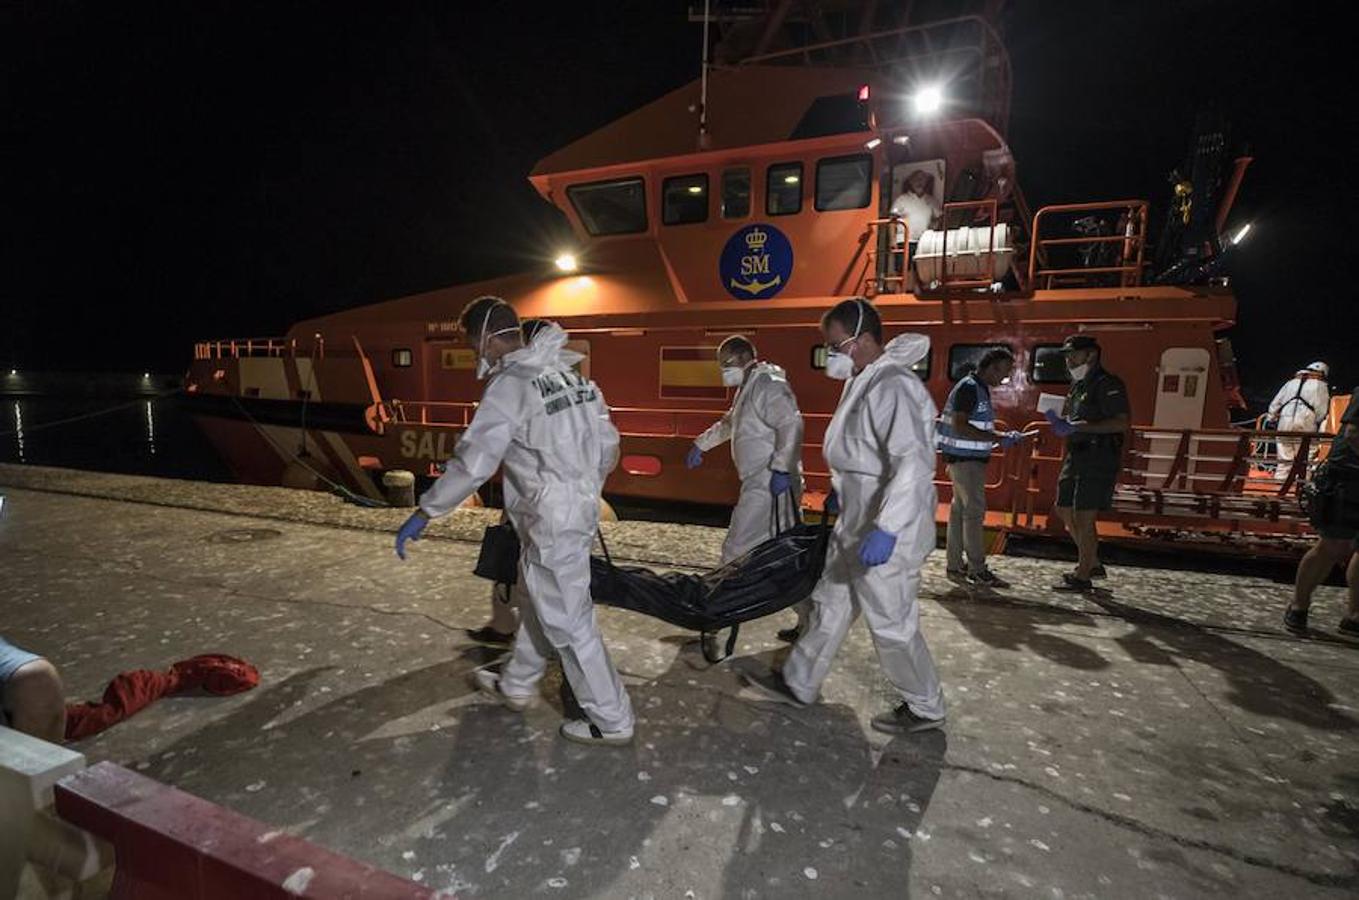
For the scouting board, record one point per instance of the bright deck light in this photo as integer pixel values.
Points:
(873, 143)
(1241, 234)
(929, 100)
(566, 262)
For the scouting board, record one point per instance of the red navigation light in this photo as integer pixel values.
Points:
(863, 93)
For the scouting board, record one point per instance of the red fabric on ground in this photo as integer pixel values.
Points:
(131, 692)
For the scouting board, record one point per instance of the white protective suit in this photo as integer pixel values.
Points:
(550, 428)
(765, 430)
(1302, 404)
(880, 447)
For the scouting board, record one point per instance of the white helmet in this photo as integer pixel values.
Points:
(1319, 368)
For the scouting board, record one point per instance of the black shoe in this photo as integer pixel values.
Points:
(1070, 584)
(902, 721)
(957, 576)
(1348, 627)
(1098, 573)
(1295, 620)
(788, 635)
(490, 636)
(987, 578)
(772, 685)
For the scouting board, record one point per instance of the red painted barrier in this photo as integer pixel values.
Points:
(170, 845)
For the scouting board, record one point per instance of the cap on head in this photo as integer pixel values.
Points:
(1078, 342)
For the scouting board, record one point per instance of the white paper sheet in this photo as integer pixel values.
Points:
(1053, 402)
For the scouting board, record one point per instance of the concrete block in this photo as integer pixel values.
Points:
(29, 768)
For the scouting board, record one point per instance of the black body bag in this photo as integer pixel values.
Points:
(773, 576)
(1331, 498)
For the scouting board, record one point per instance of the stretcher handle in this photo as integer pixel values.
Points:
(603, 546)
(776, 517)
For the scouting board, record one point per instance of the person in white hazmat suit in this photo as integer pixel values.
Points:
(1302, 404)
(499, 631)
(765, 430)
(880, 448)
(550, 429)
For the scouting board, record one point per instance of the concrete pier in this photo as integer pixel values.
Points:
(1164, 740)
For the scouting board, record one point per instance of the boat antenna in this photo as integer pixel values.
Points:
(703, 90)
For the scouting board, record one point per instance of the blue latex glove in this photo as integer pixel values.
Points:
(1060, 427)
(832, 506)
(1010, 438)
(695, 457)
(780, 483)
(410, 531)
(877, 547)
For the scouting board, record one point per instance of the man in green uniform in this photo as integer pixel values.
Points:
(1336, 543)
(1093, 422)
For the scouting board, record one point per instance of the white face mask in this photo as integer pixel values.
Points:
(839, 366)
(1079, 372)
(732, 376)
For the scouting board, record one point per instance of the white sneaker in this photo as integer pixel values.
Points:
(583, 731)
(488, 683)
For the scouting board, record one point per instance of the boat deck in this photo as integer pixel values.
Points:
(1163, 739)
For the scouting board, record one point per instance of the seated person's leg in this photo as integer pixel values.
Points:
(34, 702)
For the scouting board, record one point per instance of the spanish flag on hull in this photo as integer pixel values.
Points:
(691, 373)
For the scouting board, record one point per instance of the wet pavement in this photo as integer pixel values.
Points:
(1161, 739)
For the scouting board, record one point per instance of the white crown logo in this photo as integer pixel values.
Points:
(755, 240)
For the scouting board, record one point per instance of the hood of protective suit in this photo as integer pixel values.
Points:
(907, 349)
(548, 348)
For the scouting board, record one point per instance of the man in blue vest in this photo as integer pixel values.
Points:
(966, 436)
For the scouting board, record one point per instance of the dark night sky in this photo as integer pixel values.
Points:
(176, 171)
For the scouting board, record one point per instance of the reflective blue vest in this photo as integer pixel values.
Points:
(983, 417)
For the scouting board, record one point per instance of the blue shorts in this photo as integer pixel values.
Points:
(11, 658)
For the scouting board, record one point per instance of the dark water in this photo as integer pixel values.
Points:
(145, 435)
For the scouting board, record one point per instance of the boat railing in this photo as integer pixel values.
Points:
(1121, 264)
(235, 348)
(1226, 479)
(1050, 249)
(431, 413)
(887, 261)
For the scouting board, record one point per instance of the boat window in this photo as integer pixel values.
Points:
(843, 182)
(783, 189)
(401, 357)
(610, 207)
(1047, 365)
(921, 367)
(962, 358)
(684, 200)
(736, 193)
